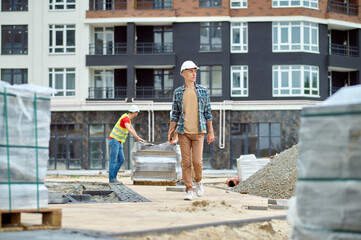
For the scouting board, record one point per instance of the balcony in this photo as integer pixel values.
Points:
(151, 48)
(152, 92)
(107, 5)
(107, 49)
(343, 50)
(107, 93)
(342, 7)
(153, 4)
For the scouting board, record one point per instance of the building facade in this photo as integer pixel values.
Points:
(263, 61)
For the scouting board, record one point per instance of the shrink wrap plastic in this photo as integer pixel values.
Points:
(328, 190)
(156, 162)
(248, 164)
(24, 145)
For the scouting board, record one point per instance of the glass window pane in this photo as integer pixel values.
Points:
(263, 129)
(296, 79)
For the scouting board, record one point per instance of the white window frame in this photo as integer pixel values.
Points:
(313, 4)
(64, 91)
(242, 46)
(63, 48)
(107, 81)
(243, 73)
(283, 84)
(239, 4)
(308, 33)
(67, 4)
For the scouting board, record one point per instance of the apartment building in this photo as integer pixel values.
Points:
(263, 61)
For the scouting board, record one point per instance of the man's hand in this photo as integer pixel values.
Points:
(139, 139)
(210, 137)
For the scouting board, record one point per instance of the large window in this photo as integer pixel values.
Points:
(14, 39)
(239, 3)
(295, 37)
(295, 80)
(295, 3)
(239, 37)
(211, 77)
(210, 36)
(61, 38)
(62, 80)
(210, 3)
(14, 76)
(260, 139)
(14, 5)
(56, 5)
(163, 83)
(163, 39)
(103, 84)
(66, 147)
(239, 81)
(98, 145)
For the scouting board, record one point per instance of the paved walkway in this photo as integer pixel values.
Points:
(167, 209)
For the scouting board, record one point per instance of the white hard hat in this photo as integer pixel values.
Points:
(134, 108)
(188, 65)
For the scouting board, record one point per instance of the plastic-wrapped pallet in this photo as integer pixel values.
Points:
(156, 162)
(248, 164)
(326, 204)
(24, 145)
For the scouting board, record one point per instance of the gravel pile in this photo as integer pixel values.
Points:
(275, 180)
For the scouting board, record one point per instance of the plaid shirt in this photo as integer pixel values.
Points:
(204, 108)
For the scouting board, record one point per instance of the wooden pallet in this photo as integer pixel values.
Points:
(11, 221)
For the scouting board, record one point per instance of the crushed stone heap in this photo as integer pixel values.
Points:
(275, 180)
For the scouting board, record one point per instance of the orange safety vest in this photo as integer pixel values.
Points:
(118, 132)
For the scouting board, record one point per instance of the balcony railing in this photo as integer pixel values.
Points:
(343, 50)
(341, 7)
(151, 92)
(153, 4)
(107, 49)
(147, 48)
(107, 5)
(107, 92)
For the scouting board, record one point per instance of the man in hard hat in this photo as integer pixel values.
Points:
(191, 114)
(117, 137)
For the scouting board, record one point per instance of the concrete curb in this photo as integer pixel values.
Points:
(177, 230)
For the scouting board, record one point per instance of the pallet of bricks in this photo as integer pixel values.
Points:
(24, 153)
(327, 203)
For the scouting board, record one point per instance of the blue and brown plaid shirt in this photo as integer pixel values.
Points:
(204, 108)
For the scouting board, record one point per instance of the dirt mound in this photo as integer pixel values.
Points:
(275, 180)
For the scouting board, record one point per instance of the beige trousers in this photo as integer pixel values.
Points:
(191, 146)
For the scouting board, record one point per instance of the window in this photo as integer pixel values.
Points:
(163, 83)
(239, 37)
(239, 3)
(210, 3)
(295, 3)
(260, 139)
(239, 81)
(295, 37)
(98, 145)
(104, 40)
(62, 80)
(211, 77)
(61, 38)
(14, 39)
(66, 146)
(14, 5)
(163, 39)
(210, 36)
(61, 5)
(14, 76)
(103, 84)
(295, 80)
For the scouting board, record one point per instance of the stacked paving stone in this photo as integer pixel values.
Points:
(328, 190)
(24, 145)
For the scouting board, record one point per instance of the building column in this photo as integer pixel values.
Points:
(130, 65)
